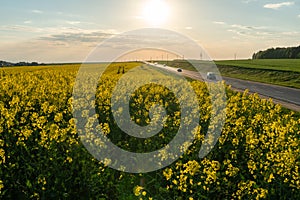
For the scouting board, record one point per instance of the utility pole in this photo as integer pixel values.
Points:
(167, 58)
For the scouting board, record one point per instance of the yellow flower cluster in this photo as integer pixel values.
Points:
(259, 146)
(250, 188)
(138, 190)
(231, 170)
(1, 186)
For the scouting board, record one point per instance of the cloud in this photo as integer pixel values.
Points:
(219, 22)
(50, 30)
(28, 22)
(28, 28)
(249, 1)
(291, 33)
(248, 33)
(57, 35)
(244, 31)
(77, 37)
(22, 28)
(73, 22)
(239, 26)
(188, 27)
(37, 11)
(299, 16)
(243, 27)
(276, 6)
(237, 32)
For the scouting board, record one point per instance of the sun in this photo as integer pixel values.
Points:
(156, 12)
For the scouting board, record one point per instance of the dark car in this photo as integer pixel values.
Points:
(179, 70)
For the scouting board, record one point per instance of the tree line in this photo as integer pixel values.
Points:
(8, 64)
(278, 53)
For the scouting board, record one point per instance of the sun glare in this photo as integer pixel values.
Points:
(156, 12)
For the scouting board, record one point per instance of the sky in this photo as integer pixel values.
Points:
(67, 31)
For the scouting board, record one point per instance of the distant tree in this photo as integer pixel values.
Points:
(278, 53)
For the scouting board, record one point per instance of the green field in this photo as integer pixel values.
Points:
(284, 72)
(270, 64)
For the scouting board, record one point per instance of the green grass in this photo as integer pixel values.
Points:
(284, 72)
(271, 64)
(283, 78)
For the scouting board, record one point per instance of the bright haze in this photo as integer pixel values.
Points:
(67, 31)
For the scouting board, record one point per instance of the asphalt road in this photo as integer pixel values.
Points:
(287, 97)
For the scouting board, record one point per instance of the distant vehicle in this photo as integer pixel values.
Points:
(164, 65)
(179, 70)
(211, 76)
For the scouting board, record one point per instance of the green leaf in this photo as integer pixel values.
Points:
(28, 184)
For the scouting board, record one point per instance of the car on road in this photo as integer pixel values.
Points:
(211, 76)
(179, 70)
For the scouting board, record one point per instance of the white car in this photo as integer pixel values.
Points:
(211, 76)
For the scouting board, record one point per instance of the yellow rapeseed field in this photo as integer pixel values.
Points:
(41, 156)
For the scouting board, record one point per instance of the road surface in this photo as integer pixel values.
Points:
(288, 97)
